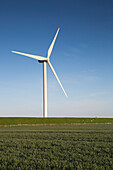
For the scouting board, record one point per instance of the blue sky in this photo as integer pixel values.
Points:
(82, 57)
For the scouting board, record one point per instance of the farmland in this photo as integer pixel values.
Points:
(82, 146)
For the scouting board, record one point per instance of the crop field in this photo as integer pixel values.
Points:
(22, 120)
(82, 146)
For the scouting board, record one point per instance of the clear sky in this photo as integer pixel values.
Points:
(82, 57)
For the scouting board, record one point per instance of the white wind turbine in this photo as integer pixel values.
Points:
(45, 61)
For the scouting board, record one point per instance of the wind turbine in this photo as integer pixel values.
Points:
(45, 60)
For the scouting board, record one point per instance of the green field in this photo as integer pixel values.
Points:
(20, 120)
(82, 146)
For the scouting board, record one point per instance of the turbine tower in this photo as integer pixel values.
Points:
(45, 60)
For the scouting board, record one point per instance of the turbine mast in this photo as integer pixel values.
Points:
(44, 90)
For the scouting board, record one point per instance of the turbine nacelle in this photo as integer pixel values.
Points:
(41, 61)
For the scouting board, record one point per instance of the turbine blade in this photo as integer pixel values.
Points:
(56, 77)
(52, 44)
(30, 55)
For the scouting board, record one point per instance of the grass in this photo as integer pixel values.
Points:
(82, 146)
(21, 120)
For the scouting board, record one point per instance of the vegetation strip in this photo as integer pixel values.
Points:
(51, 121)
(52, 124)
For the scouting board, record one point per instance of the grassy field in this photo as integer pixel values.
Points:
(20, 120)
(82, 146)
